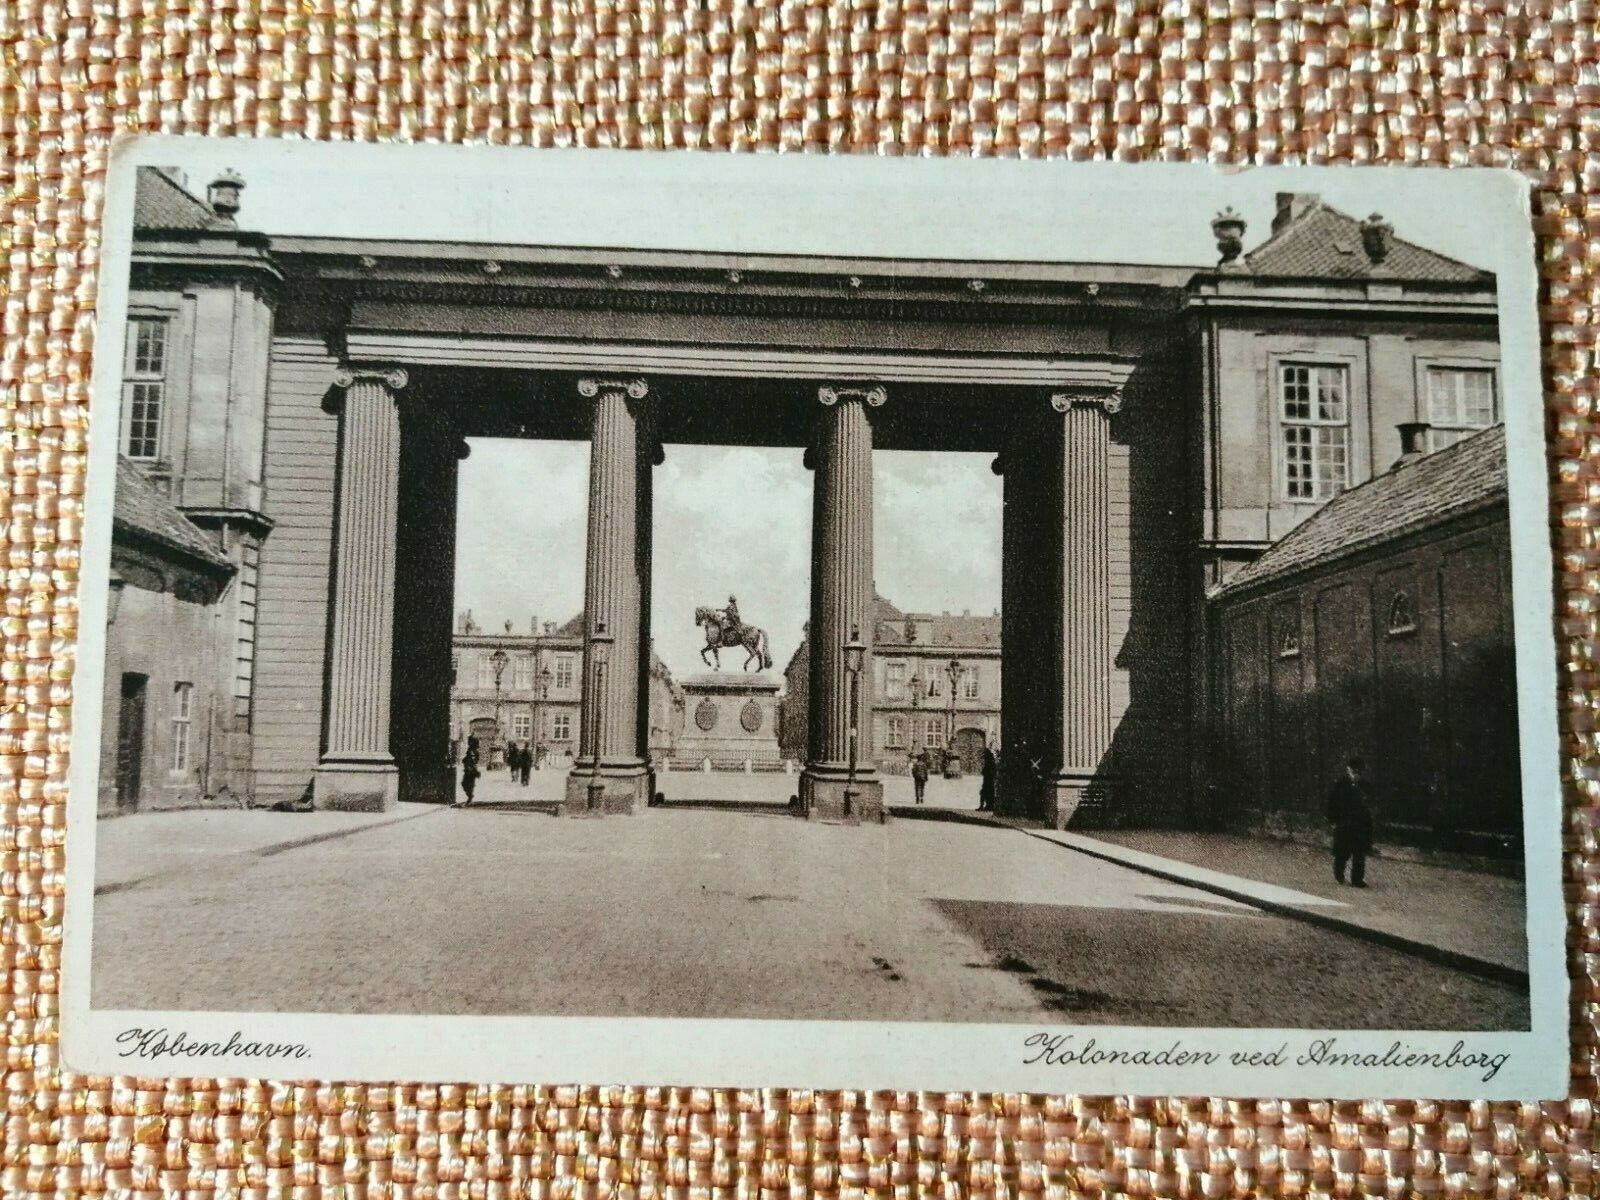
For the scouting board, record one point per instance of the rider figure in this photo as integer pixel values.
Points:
(730, 620)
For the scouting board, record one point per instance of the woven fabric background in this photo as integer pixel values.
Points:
(1226, 81)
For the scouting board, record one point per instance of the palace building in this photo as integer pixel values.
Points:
(295, 408)
(526, 686)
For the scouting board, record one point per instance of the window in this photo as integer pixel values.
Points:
(144, 377)
(522, 726)
(522, 677)
(1402, 615)
(182, 725)
(933, 684)
(561, 727)
(894, 681)
(969, 683)
(933, 734)
(1460, 401)
(1314, 412)
(895, 734)
(455, 668)
(563, 671)
(485, 671)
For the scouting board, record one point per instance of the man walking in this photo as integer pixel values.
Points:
(527, 761)
(1350, 813)
(919, 773)
(991, 771)
(469, 774)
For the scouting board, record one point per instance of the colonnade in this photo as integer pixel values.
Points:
(1059, 710)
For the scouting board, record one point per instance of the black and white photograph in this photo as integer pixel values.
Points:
(815, 623)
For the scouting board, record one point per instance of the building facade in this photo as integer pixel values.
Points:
(934, 686)
(1380, 628)
(304, 401)
(527, 688)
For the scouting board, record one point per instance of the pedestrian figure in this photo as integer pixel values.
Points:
(527, 762)
(1350, 813)
(469, 775)
(991, 768)
(919, 773)
(514, 761)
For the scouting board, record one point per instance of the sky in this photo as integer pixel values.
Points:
(738, 519)
(728, 520)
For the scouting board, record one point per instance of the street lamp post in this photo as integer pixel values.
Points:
(855, 654)
(498, 660)
(918, 688)
(953, 669)
(538, 728)
(599, 654)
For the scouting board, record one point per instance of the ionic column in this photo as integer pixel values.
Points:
(357, 771)
(1086, 651)
(612, 772)
(841, 610)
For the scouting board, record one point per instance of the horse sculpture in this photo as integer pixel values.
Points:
(719, 636)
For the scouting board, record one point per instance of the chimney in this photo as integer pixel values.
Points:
(223, 195)
(1376, 237)
(1292, 206)
(533, 624)
(1413, 442)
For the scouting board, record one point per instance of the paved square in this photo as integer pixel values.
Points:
(701, 912)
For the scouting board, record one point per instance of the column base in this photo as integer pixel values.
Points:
(356, 785)
(1076, 798)
(829, 794)
(607, 788)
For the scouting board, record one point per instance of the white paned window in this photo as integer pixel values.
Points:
(522, 726)
(933, 734)
(144, 383)
(1314, 416)
(485, 671)
(561, 727)
(894, 681)
(969, 684)
(563, 671)
(1461, 401)
(895, 734)
(523, 677)
(182, 726)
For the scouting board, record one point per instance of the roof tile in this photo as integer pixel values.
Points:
(1434, 488)
(1325, 243)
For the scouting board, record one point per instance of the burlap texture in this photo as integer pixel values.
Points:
(1227, 82)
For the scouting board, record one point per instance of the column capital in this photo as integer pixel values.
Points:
(636, 389)
(1107, 400)
(347, 376)
(873, 397)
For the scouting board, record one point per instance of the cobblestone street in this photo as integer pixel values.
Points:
(695, 912)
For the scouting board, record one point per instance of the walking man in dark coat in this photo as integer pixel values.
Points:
(919, 773)
(991, 771)
(526, 761)
(469, 774)
(1350, 813)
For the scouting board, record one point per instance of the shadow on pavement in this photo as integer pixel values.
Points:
(547, 808)
(1114, 966)
(757, 808)
(955, 816)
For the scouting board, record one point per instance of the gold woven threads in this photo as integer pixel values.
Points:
(1513, 85)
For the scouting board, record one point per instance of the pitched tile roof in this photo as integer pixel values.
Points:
(1459, 479)
(956, 631)
(1324, 243)
(142, 509)
(160, 202)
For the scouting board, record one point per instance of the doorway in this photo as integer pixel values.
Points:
(130, 740)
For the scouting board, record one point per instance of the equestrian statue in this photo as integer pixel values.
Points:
(725, 631)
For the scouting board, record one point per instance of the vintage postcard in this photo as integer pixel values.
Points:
(676, 619)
